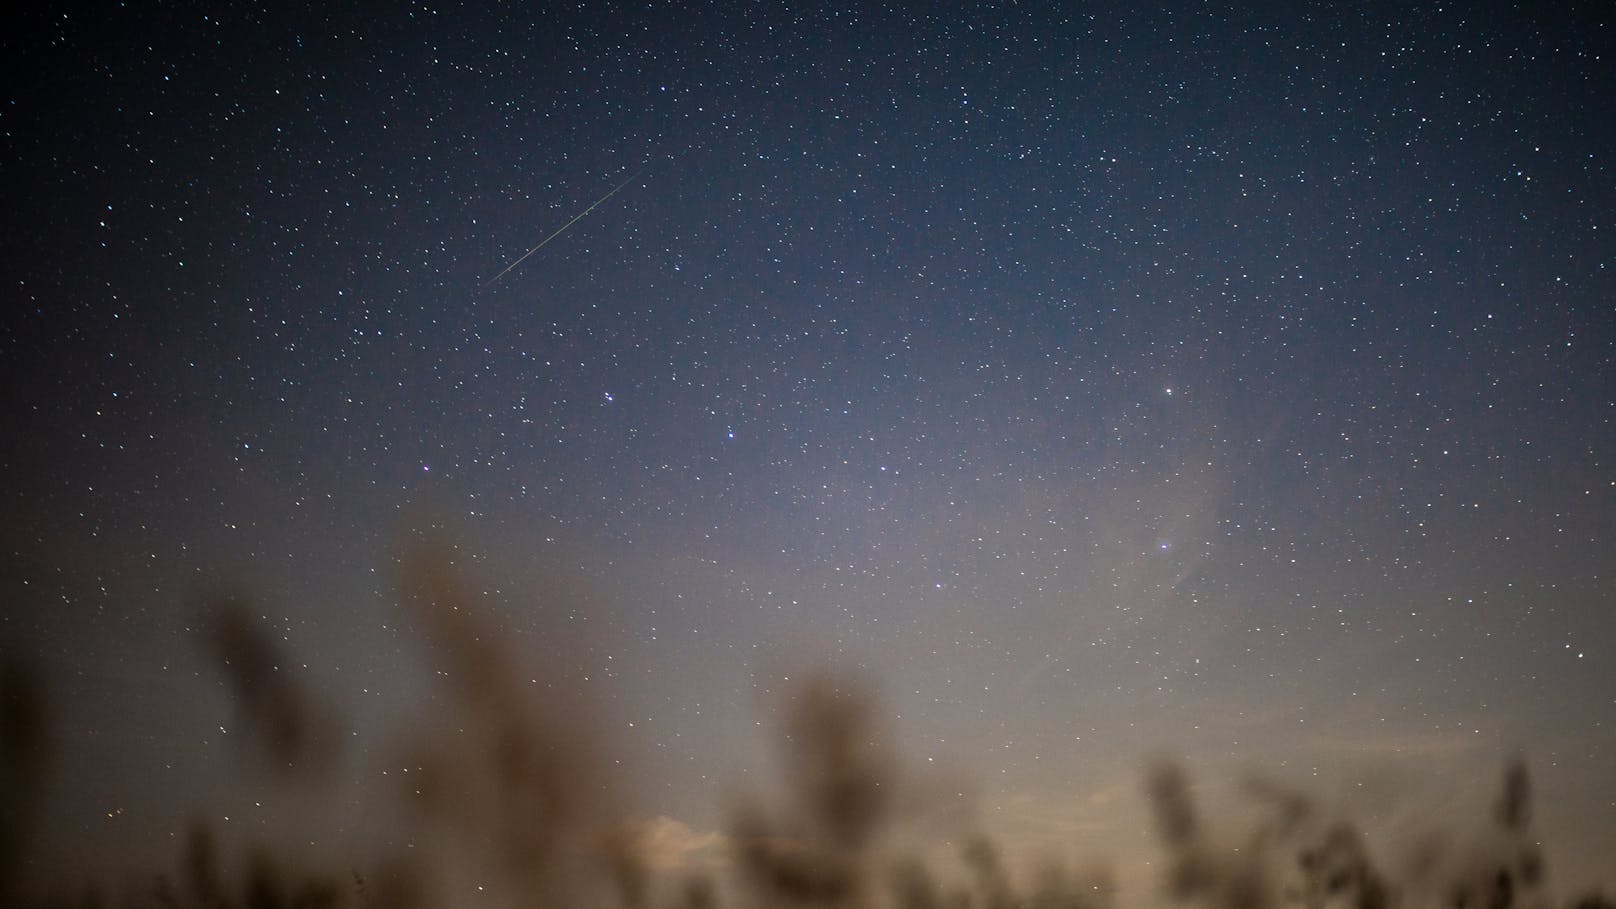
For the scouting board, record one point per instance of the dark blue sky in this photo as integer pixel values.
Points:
(1239, 383)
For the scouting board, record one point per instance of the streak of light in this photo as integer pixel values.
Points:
(563, 228)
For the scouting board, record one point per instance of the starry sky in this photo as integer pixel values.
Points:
(1095, 381)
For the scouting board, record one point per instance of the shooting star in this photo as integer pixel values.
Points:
(563, 228)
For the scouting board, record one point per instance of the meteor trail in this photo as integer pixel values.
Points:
(562, 229)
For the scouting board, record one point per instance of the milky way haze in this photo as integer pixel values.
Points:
(1176, 417)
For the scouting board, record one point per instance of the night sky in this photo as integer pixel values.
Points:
(1096, 384)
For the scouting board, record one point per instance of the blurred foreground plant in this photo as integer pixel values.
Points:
(526, 794)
